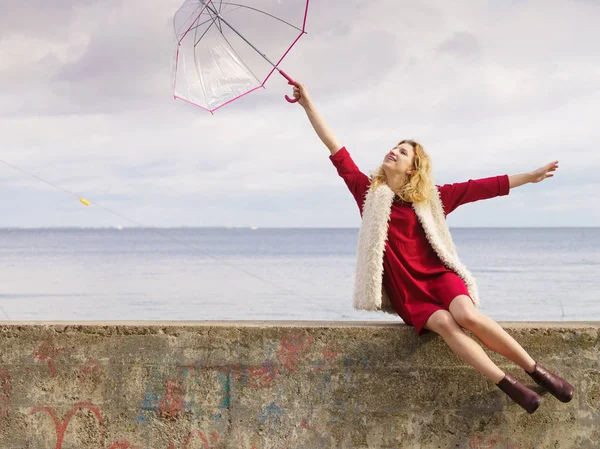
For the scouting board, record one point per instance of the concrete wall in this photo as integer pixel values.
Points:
(281, 385)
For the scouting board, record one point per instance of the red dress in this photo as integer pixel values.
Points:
(416, 280)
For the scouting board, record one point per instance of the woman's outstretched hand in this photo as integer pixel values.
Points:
(301, 94)
(534, 176)
(544, 172)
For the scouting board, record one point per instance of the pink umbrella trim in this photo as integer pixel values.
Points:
(251, 90)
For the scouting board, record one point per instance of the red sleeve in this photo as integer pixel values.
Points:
(357, 182)
(454, 195)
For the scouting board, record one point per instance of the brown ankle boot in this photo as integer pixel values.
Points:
(556, 386)
(526, 398)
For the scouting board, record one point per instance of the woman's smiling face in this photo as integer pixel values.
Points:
(399, 161)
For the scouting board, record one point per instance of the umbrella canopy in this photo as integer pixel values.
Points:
(227, 49)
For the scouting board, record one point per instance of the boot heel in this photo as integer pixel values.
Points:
(526, 398)
(559, 388)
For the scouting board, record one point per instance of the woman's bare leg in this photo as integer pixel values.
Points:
(442, 323)
(489, 332)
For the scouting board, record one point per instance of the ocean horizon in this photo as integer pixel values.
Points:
(277, 273)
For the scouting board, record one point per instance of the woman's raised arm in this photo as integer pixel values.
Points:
(535, 176)
(316, 120)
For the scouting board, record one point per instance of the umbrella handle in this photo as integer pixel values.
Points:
(292, 82)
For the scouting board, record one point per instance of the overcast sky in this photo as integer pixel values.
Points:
(488, 87)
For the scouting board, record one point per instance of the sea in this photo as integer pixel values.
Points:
(229, 273)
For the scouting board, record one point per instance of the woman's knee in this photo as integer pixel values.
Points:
(464, 313)
(442, 322)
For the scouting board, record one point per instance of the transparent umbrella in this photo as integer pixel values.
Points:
(227, 49)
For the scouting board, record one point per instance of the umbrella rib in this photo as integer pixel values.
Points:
(262, 12)
(218, 22)
(253, 9)
(196, 63)
(206, 21)
(241, 60)
(199, 7)
(246, 40)
(205, 31)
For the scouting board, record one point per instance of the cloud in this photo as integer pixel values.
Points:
(461, 45)
(487, 88)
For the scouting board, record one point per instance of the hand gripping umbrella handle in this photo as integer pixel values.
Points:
(292, 82)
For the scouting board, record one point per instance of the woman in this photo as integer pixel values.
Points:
(407, 263)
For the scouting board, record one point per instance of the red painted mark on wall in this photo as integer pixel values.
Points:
(47, 352)
(61, 426)
(480, 441)
(88, 368)
(5, 392)
(304, 425)
(192, 434)
(329, 357)
(257, 377)
(121, 445)
(172, 404)
(292, 349)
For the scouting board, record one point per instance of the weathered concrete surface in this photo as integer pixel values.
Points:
(276, 385)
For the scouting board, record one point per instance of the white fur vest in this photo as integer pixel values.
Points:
(369, 293)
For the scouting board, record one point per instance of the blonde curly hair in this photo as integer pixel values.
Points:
(419, 185)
